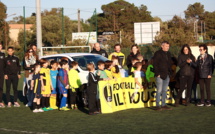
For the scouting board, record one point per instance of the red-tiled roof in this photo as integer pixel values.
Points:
(20, 26)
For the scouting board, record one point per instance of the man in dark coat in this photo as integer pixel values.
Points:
(162, 69)
(97, 50)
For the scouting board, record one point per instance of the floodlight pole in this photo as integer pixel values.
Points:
(39, 28)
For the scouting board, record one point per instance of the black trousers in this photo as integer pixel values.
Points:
(185, 82)
(12, 79)
(92, 102)
(205, 82)
(73, 96)
(1, 86)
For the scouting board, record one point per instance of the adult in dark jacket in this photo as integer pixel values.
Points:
(12, 75)
(133, 55)
(162, 69)
(187, 65)
(2, 57)
(205, 65)
(97, 50)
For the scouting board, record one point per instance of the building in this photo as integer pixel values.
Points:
(15, 29)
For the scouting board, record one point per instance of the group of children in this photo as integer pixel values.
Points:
(48, 83)
(109, 70)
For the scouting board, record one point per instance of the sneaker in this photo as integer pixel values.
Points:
(158, 108)
(49, 109)
(26, 105)
(35, 111)
(16, 104)
(64, 109)
(2, 105)
(55, 107)
(208, 104)
(200, 104)
(40, 110)
(44, 109)
(9, 104)
(166, 108)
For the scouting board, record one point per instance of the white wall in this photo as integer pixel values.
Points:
(195, 50)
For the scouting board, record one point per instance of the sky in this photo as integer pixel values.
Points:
(165, 9)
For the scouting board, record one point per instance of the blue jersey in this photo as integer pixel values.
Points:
(54, 74)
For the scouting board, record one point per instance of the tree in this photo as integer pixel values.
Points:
(4, 33)
(195, 10)
(120, 16)
(52, 30)
(177, 33)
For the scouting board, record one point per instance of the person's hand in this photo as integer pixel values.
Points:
(67, 87)
(141, 87)
(19, 76)
(98, 73)
(31, 88)
(209, 76)
(5, 77)
(43, 89)
(189, 60)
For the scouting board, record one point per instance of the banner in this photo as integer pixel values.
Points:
(121, 94)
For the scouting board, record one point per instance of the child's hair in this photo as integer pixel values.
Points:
(53, 62)
(64, 58)
(108, 63)
(140, 57)
(74, 63)
(63, 62)
(42, 62)
(134, 59)
(90, 66)
(137, 64)
(100, 63)
(35, 66)
(10, 48)
(115, 58)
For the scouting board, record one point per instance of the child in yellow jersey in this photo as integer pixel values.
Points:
(74, 84)
(108, 66)
(115, 70)
(36, 87)
(46, 85)
(133, 68)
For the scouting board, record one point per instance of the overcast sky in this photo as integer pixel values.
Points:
(165, 9)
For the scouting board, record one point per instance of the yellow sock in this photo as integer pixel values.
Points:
(52, 101)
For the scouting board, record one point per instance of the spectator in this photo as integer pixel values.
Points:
(118, 53)
(162, 68)
(133, 55)
(172, 82)
(205, 65)
(186, 62)
(29, 61)
(97, 50)
(2, 57)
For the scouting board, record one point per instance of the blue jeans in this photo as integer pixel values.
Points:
(161, 90)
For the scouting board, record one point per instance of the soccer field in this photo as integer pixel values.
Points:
(183, 120)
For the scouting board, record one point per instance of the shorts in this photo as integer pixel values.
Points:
(38, 96)
(54, 91)
(63, 90)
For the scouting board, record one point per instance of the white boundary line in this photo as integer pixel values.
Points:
(19, 131)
